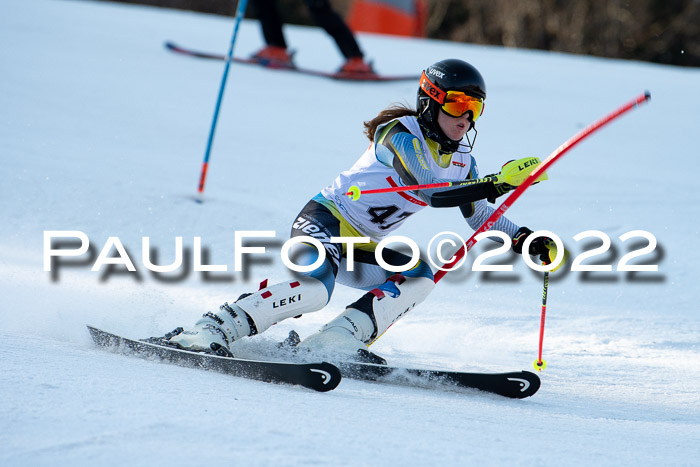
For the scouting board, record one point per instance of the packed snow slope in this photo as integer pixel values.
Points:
(103, 132)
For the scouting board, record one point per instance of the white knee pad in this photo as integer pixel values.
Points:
(284, 300)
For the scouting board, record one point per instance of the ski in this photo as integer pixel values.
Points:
(306, 71)
(318, 376)
(516, 385)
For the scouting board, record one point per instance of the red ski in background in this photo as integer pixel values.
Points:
(306, 71)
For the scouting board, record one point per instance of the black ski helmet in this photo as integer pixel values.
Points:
(447, 75)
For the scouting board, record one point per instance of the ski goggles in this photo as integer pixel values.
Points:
(453, 103)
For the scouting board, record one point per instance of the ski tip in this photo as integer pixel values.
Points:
(520, 385)
(322, 377)
(647, 95)
(528, 390)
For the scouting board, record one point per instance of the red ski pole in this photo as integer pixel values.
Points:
(513, 173)
(355, 192)
(540, 364)
(541, 168)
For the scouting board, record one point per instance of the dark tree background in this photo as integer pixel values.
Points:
(662, 31)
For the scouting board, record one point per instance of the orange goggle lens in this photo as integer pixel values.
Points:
(453, 103)
(457, 103)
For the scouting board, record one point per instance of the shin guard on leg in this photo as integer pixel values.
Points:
(392, 300)
(288, 299)
(252, 314)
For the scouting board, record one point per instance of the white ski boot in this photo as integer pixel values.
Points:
(215, 331)
(368, 318)
(345, 335)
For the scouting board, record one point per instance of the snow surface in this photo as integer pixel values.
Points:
(103, 131)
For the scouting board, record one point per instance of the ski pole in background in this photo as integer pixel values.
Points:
(240, 12)
(540, 364)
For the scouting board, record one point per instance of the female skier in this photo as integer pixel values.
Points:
(408, 147)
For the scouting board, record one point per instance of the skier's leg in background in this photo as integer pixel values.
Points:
(268, 13)
(324, 15)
